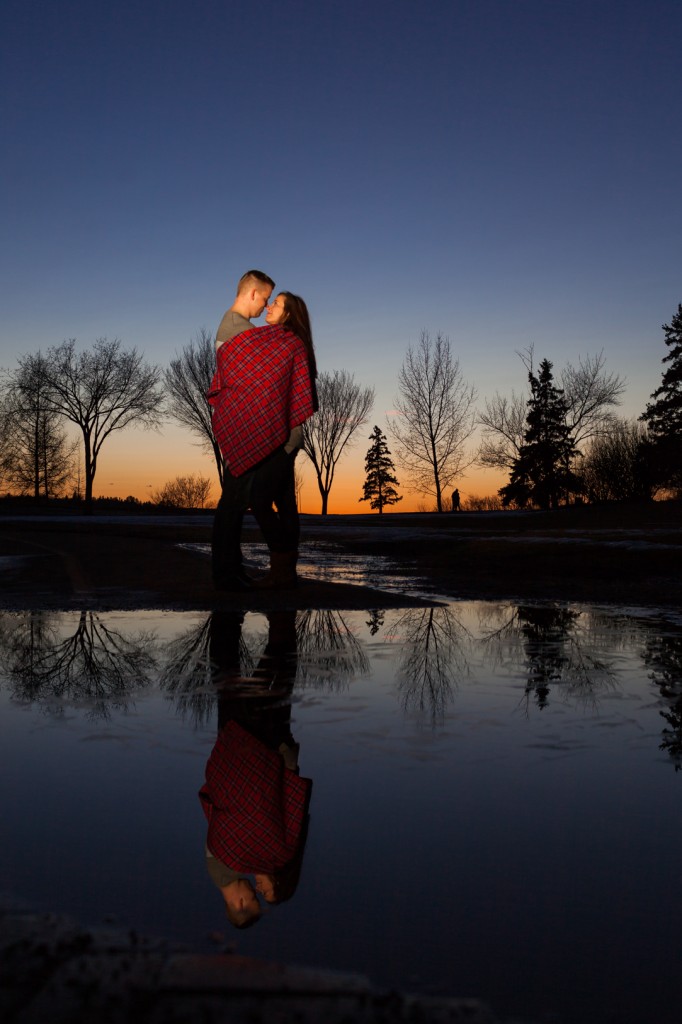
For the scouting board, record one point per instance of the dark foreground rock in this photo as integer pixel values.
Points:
(52, 970)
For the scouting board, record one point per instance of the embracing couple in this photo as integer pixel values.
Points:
(262, 392)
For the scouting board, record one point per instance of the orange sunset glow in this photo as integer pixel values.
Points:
(138, 463)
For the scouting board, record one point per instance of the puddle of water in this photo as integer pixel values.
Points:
(329, 563)
(495, 808)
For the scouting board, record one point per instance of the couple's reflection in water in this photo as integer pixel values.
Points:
(255, 800)
(254, 797)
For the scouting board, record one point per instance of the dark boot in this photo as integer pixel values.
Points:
(282, 574)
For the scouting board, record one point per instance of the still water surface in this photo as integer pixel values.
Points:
(496, 793)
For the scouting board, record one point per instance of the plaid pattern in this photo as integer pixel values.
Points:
(260, 390)
(255, 806)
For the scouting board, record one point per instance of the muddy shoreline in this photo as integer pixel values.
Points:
(623, 555)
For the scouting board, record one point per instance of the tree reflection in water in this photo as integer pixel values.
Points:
(201, 656)
(86, 658)
(432, 660)
(49, 656)
(313, 648)
(548, 642)
(663, 655)
(330, 654)
(375, 621)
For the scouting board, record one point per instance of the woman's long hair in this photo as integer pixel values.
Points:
(297, 320)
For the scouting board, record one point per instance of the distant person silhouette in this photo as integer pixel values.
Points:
(455, 500)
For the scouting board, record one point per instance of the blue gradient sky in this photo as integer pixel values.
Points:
(508, 173)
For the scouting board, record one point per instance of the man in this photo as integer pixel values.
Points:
(261, 390)
(253, 294)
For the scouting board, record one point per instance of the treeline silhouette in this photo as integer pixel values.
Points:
(559, 439)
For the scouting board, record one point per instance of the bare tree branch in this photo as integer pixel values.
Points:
(590, 394)
(504, 422)
(35, 453)
(187, 380)
(435, 417)
(344, 407)
(100, 391)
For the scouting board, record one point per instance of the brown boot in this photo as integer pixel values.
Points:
(282, 574)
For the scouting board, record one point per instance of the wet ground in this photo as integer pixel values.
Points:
(496, 790)
(495, 806)
(615, 554)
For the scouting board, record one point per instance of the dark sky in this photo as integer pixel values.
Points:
(507, 173)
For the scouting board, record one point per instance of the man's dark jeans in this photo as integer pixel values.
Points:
(272, 480)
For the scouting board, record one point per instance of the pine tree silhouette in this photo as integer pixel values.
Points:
(379, 489)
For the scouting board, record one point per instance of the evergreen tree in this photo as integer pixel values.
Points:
(541, 473)
(664, 415)
(378, 487)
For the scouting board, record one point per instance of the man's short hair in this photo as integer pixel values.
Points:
(251, 279)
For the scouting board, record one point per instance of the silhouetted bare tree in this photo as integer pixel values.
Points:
(435, 417)
(36, 454)
(504, 424)
(613, 466)
(101, 390)
(344, 407)
(188, 379)
(191, 491)
(590, 394)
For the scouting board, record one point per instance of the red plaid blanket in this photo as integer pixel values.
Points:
(260, 390)
(255, 806)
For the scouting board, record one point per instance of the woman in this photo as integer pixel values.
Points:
(289, 311)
